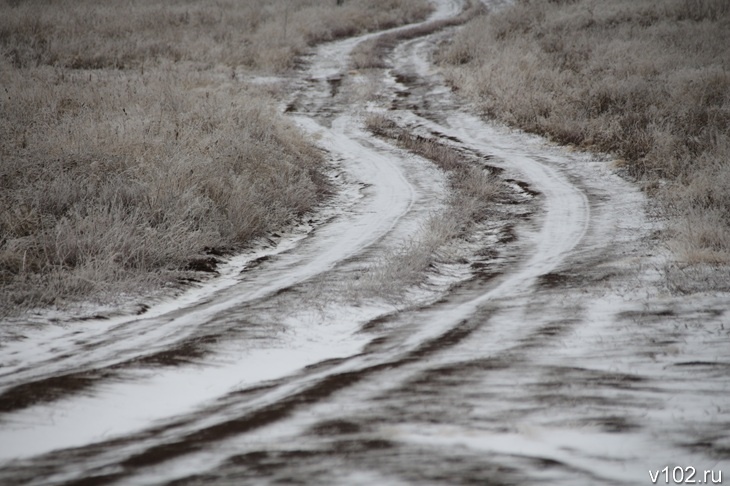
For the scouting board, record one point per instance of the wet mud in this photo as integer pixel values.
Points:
(550, 352)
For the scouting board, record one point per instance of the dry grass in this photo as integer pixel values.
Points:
(473, 192)
(128, 149)
(109, 176)
(258, 34)
(648, 81)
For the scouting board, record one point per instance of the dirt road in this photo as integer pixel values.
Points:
(544, 350)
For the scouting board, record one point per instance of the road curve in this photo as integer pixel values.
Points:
(567, 364)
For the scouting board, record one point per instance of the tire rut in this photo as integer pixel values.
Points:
(528, 371)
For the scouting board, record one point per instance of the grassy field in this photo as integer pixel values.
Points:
(645, 80)
(129, 148)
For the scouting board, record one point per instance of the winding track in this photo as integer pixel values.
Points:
(538, 375)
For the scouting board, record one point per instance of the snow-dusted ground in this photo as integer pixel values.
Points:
(565, 362)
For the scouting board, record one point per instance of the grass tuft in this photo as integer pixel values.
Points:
(474, 191)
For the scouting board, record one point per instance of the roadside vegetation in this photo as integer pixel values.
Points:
(645, 80)
(131, 153)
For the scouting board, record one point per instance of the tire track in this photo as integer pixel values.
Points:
(429, 331)
(66, 364)
(502, 381)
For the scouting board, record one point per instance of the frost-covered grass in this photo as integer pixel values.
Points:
(129, 147)
(473, 193)
(648, 81)
(258, 34)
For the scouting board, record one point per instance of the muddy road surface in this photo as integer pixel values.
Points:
(540, 346)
